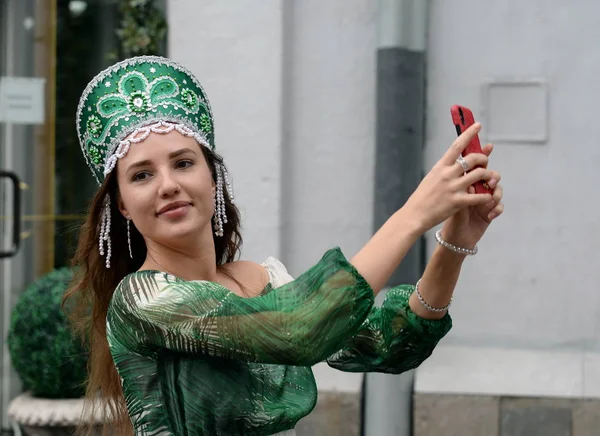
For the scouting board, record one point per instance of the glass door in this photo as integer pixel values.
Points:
(27, 78)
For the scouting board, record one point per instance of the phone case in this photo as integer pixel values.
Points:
(463, 118)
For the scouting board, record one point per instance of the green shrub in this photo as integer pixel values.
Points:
(49, 360)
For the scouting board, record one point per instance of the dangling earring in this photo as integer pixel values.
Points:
(220, 217)
(228, 184)
(105, 232)
(129, 239)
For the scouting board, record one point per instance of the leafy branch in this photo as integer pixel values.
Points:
(143, 28)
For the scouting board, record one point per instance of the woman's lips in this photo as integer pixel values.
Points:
(175, 210)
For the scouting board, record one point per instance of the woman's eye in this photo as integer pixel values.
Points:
(184, 164)
(142, 175)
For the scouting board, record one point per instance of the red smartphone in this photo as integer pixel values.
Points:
(463, 118)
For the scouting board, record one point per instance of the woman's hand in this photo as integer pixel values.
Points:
(445, 190)
(466, 227)
(440, 195)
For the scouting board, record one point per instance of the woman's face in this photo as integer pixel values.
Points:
(166, 187)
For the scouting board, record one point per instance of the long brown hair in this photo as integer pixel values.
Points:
(93, 285)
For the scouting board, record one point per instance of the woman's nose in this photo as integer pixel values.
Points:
(169, 185)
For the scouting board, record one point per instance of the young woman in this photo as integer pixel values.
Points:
(184, 339)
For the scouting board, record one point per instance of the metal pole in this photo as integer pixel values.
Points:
(398, 171)
(10, 13)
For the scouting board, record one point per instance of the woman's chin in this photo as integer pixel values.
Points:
(181, 233)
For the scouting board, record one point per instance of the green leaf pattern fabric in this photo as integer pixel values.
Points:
(196, 359)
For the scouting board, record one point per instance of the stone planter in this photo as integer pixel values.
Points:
(45, 417)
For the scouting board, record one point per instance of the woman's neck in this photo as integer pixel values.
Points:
(195, 261)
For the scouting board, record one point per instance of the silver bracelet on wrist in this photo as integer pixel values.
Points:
(449, 246)
(428, 306)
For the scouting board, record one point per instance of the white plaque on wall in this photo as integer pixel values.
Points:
(516, 110)
(22, 100)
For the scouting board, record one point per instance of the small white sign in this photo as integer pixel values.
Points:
(22, 100)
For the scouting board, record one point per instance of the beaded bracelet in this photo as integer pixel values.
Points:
(449, 246)
(428, 306)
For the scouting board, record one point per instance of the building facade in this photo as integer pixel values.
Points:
(293, 85)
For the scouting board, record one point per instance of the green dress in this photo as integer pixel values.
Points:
(196, 359)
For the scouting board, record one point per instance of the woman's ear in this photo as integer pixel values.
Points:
(122, 208)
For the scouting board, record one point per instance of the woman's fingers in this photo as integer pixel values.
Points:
(473, 160)
(498, 193)
(487, 149)
(467, 199)
(459, 145)
(496, 212)
(493, 182)
(477, 175)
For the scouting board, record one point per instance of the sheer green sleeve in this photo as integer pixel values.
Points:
(299, 323)
(392, 339)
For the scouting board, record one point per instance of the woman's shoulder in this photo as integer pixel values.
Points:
(270, 271)
(251, 274)
(137, 280)
(144, 284)
(134, 288)
(146, 276)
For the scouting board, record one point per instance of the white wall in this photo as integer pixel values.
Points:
(329, 125)
(235, 49)
(292, 85)
(527, 308)
(293, 89)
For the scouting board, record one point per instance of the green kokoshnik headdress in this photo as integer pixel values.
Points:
(124, 103)
(133, 94)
